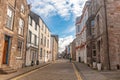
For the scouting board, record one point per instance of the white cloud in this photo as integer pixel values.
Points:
(64, 8)
(69, 30)
(72, 29)
(64, 42)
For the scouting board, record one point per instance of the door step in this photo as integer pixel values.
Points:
(7, 70)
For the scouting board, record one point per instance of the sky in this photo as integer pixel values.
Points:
(60, 16)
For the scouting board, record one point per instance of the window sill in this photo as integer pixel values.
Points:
(18, 58)
(9, 28)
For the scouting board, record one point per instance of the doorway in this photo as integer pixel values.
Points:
(6, 49)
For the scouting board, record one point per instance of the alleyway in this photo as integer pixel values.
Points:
(60, 70)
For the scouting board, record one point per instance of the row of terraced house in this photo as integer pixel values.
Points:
(25, 39)
(97, 41)
(97, 34)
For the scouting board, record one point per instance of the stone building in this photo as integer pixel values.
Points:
(73, 50)
(106, 35)
(90, 36)
(44, 42)
(54, 47)
(32, 39)
(13, 32)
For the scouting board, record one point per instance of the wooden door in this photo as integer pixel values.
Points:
(5, 52)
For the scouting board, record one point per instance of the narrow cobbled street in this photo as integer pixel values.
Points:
(59, 70)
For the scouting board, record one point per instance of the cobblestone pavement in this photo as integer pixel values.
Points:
(59, 70)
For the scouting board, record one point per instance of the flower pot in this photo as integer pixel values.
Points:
(99, 66)
(94, 65)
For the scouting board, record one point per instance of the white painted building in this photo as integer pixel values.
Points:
(32, 39)
(44, 42)
(54, 47)
(81, 53)
(78, 38)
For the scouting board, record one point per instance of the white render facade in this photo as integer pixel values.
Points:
(54, 47)
(44, 42)
(32, 40)
(81, 51)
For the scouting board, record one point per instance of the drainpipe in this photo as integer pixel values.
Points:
(107, 37)
(38, 45)
(28, 11)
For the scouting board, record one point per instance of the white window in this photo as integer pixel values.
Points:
(22, 8)
(10, 15)
(21, 26)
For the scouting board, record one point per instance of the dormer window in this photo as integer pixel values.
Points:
(22, 8)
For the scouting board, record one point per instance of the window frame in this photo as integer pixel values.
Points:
(36, 26)
(45, 41)
(30, 20)
(21, 26)
(22, 8)
(41, 51)
(21, 51)
(92, 23)
(12, 18)
(30, 36)
(35, 40)
(41, 39)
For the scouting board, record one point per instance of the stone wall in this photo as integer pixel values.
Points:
(73, 50)
(15, 5)
(107, 33)
(113, 20)
(2, 22)
(101, 35)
